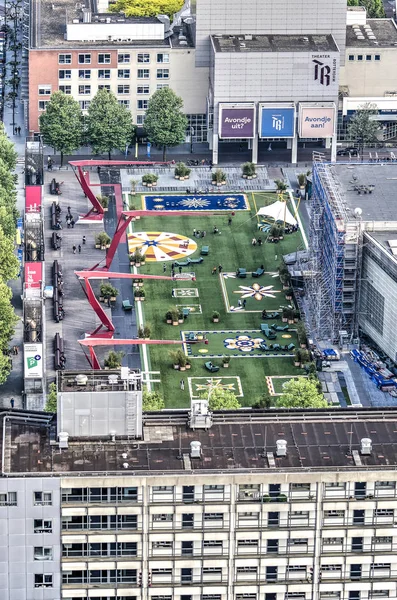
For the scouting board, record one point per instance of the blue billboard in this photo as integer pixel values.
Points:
(277, 122)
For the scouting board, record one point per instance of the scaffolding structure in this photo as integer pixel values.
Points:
(332, 274)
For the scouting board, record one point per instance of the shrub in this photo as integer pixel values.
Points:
(152, 401)
(113, 359)
(249, 169)
(181, 170)
(219, 176)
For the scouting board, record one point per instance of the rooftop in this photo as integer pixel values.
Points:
(377, 33)
(274, 43)
(242, 441)
(381, 204)
(388, 240)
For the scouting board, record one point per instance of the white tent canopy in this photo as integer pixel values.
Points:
(279, 212)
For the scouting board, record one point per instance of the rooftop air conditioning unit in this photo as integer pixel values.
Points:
(281, 448)
(366, 446)
(195, 449)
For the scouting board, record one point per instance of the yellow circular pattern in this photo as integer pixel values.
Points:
(203, 350)
(160, 246)
(286, 336)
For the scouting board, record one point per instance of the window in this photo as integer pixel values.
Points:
(377, 57)
(123, 89)
(84, 74)
(247, 543)
(383, 512)
(298, 542)
(379, 594)
(42, 526)
(41, 553)
(213, 516)
(326, 568)
(162, 488)
(66, 89)
(209, 570)
(124, 59)
(297, 515)
(333, 541)
(351, 57)
(295, 596)
(8, 499)
(334, 514)
(385, 485)
(104, 73)
(42, 498)
(301, 487)
(143, 74)
(163, 74)
(156, 518)
(104, 59)
(84, 90)
(381, 566)
(187, 548)
(84, 104)
(247, 569)
(214, 488)
(44, 90)
(123, 73)
(368, 57)
(335, 486)
(125, 103)
(360, 57)
(104, 87)
(245, 596)
(42, 580)
(211, 597)
(64, 59)
(296, 568)
(142, 104)
(163, 58)
(248, 516)
(140, 119)
(84, 59)
(65, 74)
(143, 89)
(212, 543)
(383, 539)
(143, 58)
(160, 86)
(157, 545)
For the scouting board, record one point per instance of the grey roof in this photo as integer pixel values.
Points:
(274, 43)
(239, 441)
(383, 238)
(381, 204)
(379, 33)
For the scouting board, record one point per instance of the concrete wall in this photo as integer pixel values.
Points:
(271, 16)
(370, 77)
(17, 540)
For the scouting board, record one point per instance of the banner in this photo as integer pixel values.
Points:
(32, 198)
(33, 275)
(276, 121)
(236, 122)
(316, 121)
(33, 361)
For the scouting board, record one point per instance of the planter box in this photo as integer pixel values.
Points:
(176, 367)
(188, 367)
(180, 321)
(245, 176)
(112, 298)
(97, 246)
(137, 264)
(105, 209)
(175, 323)
(290, 321)
(225, 365)
(284, 320)
(297, 364)
(182, 368)
(177, 177)
(215, 320)
(169, 321)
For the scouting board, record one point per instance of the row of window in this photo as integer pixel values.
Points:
(362, 57)
(334, 595)
(106, 58)
(121, 73)
(85, 104)
(39, 499)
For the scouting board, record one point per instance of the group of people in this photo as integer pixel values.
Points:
(217, 269)
(70, 222)
(256, 242)
(17, 130)
(198, 233)
(172, 269)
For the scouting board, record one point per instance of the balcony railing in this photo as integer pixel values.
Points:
(351, 521)
(86, 579)
(204, 579)
(168, 553)
(349, 548)
(86, 553)
(100, 499)
(86, 525)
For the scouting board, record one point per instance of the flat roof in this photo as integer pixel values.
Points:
(383, 238)
(274, 43)
(377, 33)
(381, 204)
(238, 441)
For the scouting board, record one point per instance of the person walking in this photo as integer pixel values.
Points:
(164, 267)
(84, 240)
(19, 130)
(12, 402)
(259, 241)
(172, 272)
(229, 221)
(194, 233)
(253, 241)
(72, 223)
(220, 268)
(180, 270)
(182, 384)
(79, 247)
(244, 302)
(213, 272)
(74, 249)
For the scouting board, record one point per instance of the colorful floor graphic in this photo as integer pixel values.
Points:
(199, 386)
(195, 202)
(161, 246)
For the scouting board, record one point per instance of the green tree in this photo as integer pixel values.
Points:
(301, 393)
(62, 124)
(5, 367)
(374, 8)
(152, 401)
(222, 400)
(264, 401)
(147, 8)
(7, 151)
(362, 129)
(8, 318)
(165, 123)
(52, 399)
(9, 265)
(109, 125)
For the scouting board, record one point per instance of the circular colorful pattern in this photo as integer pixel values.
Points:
(243, 343)
(257, 291)
(160, 245)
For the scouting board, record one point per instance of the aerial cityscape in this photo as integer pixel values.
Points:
(198, 300)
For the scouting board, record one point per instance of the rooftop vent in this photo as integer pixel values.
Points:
(195, 449)
(63, 440)
(182, 42)
(281, 448)
(366, 446)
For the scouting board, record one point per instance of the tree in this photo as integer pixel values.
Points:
(152, 401)
(165, 124)
(222, 400)
(265, 401)
(9, 265)
(52, 399)
(374, 8)
(362, 129)
(62, 124)
(8, 318)
(7, 151)
(301, 393)
(147, 8)
(109, 125)
(5, 367)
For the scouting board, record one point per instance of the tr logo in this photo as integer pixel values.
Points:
(322, 72)
(277, 123)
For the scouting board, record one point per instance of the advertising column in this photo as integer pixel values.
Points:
(237, 122)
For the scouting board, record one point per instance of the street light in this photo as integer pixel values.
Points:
(191, 139)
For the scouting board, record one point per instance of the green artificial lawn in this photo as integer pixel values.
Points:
(239, 344)
(231, 249)
(264, 292)
(278, 383)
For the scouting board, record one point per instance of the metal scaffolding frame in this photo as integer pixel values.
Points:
(333, 270)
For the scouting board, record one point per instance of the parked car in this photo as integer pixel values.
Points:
(347, 152)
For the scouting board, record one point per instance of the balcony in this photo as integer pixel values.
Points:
(93, 524)
(113, 496)
(86, 551)
(186, 580)
(345, 548)
(103, 579)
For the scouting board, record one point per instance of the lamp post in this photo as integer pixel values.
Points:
(191, 139)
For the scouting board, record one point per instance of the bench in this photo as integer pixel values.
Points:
(258, 272)
(55, 216)
(185, 312)
(191, 337)
(241, 273)
(270, 315)
(279, 327)
(189, 261)
(205, 250)
(184, 263)
(127, 305)
(211, 367)
(288, 347)
(53, 187)
(263, 346)
(59, 355)
(56, 241)
(275, 347)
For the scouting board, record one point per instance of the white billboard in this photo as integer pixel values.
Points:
(33, 361)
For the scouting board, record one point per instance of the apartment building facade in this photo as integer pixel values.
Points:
(310, 517)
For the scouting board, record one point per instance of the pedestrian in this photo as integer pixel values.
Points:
(182, 384)
(16, 130)
(259, 241)
(204, 233)
(172, 266)
(172, 272)
(244, 302)
(79, 246)
(229, 221)
(253, 241)
(239, 303)
(198, 233)
(12, 402)
(84, 240)
(220, 268)
(69, 211)
(213, 271)
(74, 249)
(98, 170)
(19, 130)
(194, 233)
(180, 270)
(164, 267)
(72, 223)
